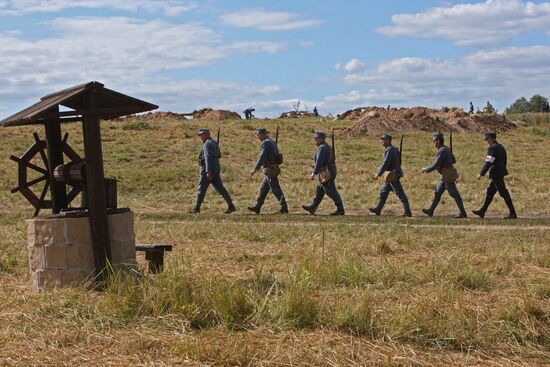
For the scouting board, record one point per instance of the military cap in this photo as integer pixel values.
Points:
(489, 134)
(261, 130)
(437, 136)
(386, 137)
(203, 131)
(319, 134)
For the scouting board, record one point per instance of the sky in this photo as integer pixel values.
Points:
(185, 55)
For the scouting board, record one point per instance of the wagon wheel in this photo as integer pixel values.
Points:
(25, 164)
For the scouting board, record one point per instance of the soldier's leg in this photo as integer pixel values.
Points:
(264, 190)
(332, 193)
(278, 192)
(201, 191)
(319, 195)
(439, 190)
(384, 192)
(455, 194)
(218, 185)
(490, 194)
(398, 189)
(505, 194)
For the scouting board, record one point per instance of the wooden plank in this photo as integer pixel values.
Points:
(54, 146)
(153, 247)
(95, 186)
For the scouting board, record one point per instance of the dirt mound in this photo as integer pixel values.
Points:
(376, 120)
(215, 115)
(154, 116)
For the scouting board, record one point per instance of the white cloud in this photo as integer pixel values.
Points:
(498, 75)
(306, 44)
(125, 53)
(484, 23)
(350, 66)
(265, 20)
(168, 7)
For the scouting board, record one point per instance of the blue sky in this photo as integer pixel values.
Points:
(185, 55)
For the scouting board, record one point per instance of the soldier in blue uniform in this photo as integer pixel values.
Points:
(269, 160)
(392, 165)
(444, 160)
(495, 164)
(210, 172)
(324, 169)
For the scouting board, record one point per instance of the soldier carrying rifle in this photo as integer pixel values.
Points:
(269, 159)
(210, 171)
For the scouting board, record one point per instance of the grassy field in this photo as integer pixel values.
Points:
(275, 290)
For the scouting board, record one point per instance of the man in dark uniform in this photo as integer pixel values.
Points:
(248, 113)
(315, 112)
(269, 160)
(443, 161)
(471, 108)
(210, 172)
(495, 164)
(324, 166)
(392, 165)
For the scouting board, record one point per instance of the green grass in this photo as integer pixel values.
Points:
(294, 290)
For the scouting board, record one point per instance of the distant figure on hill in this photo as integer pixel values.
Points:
(315, 111)
(546, 107)
(471, 108)
(489, 108)
(248, 113)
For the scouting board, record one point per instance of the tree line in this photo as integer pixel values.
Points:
(537, 103)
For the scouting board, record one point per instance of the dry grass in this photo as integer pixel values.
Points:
(294, 290)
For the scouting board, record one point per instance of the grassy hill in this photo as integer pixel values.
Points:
(295, 290)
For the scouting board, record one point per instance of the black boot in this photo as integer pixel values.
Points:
(480, 213)
(428, 212)
(230, 209)
(511, 208)
(195, 211)
(460, 205)
(340, 211)
(375, 210)
(254, 209)
(309, 208)
(407, 213)
(284, 209)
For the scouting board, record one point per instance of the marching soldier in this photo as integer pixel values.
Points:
(495, 164)
(444, 165)
(324, 170)
(210, 172)
(391, 169)
(269, 159)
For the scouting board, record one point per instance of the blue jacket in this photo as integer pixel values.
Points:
(323, 157)
(391, 161)
(495, 162)
(269, 154)
(443, 160)
(210, 155)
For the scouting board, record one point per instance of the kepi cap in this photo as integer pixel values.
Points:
(386, 137)
(437, 136)
(319, 134)
(261, 130)
(489, 134)
(203, 131)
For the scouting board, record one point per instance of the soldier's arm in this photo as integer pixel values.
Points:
(439, 160)
(262, 157)
(322, 155)
(210, 153)
(489, 161)
(385, 164)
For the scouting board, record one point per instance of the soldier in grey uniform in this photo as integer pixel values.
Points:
(269, 161)
(392, 162)
(444, 159)
(495, 164)
(210, 172)
(324, 159)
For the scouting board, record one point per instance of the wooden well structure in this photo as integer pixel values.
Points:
(87, 103)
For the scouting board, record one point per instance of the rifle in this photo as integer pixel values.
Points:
(277, 135)
(400, 150)
(451, 141)
(280, 158)
(218, 142)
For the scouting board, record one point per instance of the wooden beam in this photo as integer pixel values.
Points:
(95, 185)
(54, 146)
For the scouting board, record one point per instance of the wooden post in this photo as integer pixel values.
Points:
(95, 184)
(54, 147)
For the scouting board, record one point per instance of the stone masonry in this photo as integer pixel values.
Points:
(61, 252)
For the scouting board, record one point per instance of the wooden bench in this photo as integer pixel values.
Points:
(154, 253)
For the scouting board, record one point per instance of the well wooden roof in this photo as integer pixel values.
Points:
(110, 104)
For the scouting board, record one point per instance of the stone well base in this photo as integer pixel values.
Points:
(61, 250)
